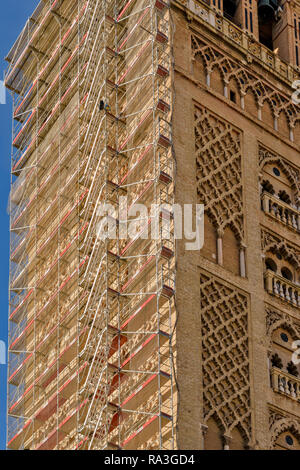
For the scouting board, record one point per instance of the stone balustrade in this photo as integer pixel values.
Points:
(281, 211)
(282, 288)
(285, 383)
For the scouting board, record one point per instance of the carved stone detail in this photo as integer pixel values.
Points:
(225, 356)
(293, 174)
(231, 69)
(274, 243)
(280, 423)
(219, 174)
(276, 319)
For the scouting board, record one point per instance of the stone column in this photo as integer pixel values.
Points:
(208, 73)
(266, 203)
(259, 112)
(226, 89)
(204, 430)
(243, 260)
(220, 247)
(243, 94)
(227, 440)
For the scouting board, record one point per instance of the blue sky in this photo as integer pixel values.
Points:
(12, 19)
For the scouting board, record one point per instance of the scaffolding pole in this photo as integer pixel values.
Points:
(91, 320)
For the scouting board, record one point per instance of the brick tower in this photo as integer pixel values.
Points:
(122, 344)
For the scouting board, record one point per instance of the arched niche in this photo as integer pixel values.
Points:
(217, 81)
(231, 252)
(209, 249)
(213, 437)
(251, 103)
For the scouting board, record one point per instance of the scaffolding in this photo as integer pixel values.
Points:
(91, 320)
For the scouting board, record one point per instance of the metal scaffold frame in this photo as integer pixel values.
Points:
(91, 321)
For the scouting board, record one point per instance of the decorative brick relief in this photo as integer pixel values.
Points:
(219, 174)
(276, 319)
(246, 81)
(225, 356)
(274, 243)
(293, 174)
(280, 423)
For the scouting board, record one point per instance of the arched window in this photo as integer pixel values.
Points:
(283, 196)
(276, 361)
(281, 265)
(276, 181)
(270, 264)
(287, 441)
(286, 273)
(267, 187)
(282, 351)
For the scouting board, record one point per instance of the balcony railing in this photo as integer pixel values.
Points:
(282, 288)
(285, 383)
(281, 211)
(238, 36)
